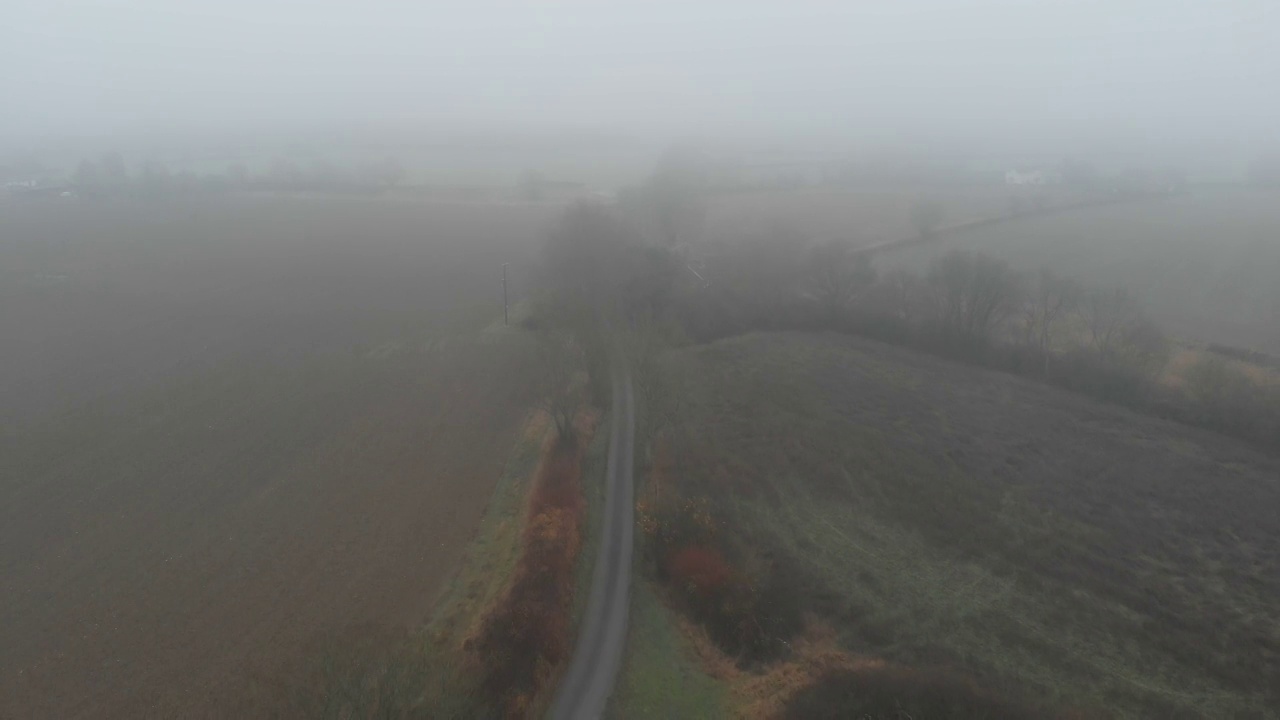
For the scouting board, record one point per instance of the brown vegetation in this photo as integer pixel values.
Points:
(234, 426)
(526, 638)
(876, 691)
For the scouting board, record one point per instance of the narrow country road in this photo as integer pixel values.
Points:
(598, 654)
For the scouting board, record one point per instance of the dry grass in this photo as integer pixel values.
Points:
(1186, 357)
(941, 516)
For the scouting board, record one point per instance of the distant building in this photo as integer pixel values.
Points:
(33, 189)
(782, 174)
(1027, 177)
(17, 187)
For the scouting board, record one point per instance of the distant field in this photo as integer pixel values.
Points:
(1206, 265)
(232, 428)
(861, 215)
(938, 515)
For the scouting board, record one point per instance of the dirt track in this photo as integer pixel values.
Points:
(597, 658)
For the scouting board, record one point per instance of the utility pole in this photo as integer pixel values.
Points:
(505, 319)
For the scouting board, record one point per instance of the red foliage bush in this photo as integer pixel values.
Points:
(702, 571)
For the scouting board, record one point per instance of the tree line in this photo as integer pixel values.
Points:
(109, 175)
(636, 265)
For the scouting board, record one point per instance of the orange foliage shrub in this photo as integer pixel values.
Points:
(881, 690)
(702, 571)
(525, 638)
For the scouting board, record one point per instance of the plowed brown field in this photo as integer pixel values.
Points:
(232, 428)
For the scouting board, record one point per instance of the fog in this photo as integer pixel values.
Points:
(1055, 75)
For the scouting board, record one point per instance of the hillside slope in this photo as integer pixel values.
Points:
(939, 515)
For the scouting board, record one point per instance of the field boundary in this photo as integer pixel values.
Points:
(974, 223)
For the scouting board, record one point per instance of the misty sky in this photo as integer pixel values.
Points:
(1162, 68)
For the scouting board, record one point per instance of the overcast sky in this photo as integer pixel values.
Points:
(1195, 70)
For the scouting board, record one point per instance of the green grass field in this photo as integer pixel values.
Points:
(661, 677)
(1072, 554)
(1204, 264)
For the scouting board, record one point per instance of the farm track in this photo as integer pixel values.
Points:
(597, 657)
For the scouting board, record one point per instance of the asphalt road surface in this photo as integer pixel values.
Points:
(598, 654)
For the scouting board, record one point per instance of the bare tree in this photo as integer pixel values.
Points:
(761, 275)
(113, 169)
(1048, 300)
(598, 272)
(86, 175)
(1107, 311)
(903, 295)
(837, 276)
(1120, 332)
(559, 361)
(972, 293)
(673, 197)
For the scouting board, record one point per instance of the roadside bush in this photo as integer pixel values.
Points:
(525, 637)
(1251, 356)
(1213, 384)
(1086, 373)
(749, 614)
(749, 606)
(1223, 397)
(701, 573)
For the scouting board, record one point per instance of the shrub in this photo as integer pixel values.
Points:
(971, 294)
(882, 692)
(749, 614)
(702, 572)
(524, 638)
(836, 276)
(1224, 398)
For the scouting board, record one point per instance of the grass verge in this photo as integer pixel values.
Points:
(525, 638)
(662, 677)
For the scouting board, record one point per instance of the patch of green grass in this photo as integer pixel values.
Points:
(661, 677)
(594, 470)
